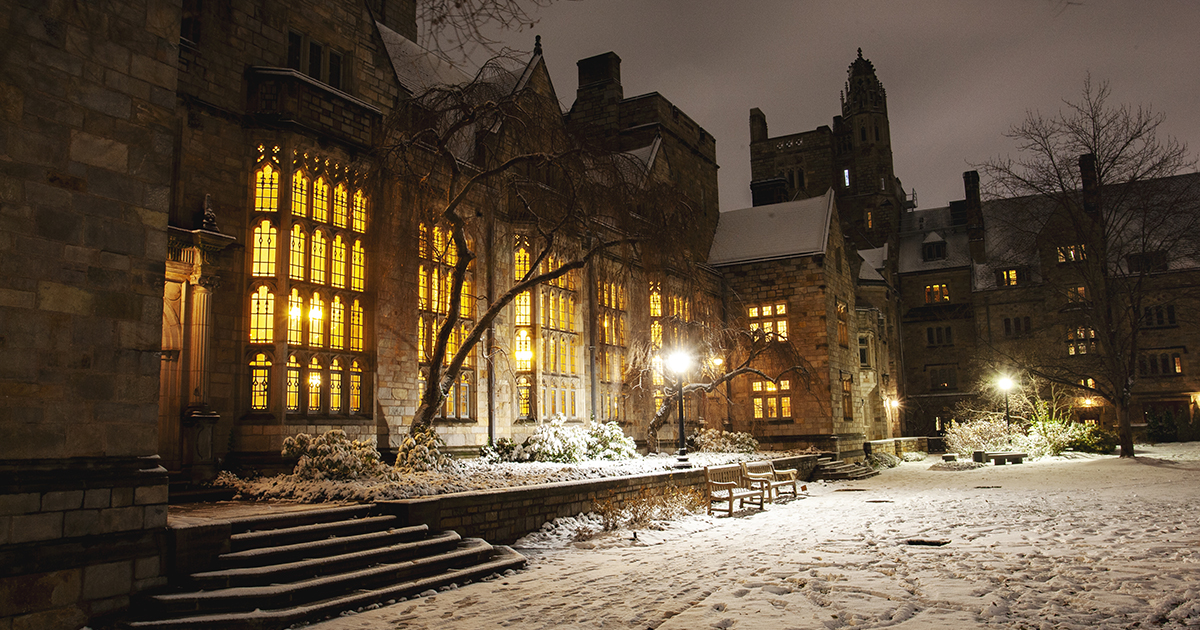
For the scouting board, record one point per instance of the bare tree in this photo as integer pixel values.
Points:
(496, 149)
(1102, 195)
(454, 29)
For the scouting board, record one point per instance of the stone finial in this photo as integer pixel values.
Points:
(537, 44)
(210, 216)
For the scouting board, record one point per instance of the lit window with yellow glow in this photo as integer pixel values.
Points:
(770, 318)
(292, 387)
(337, 324)
(770, 401)
(340, 210)
(358, 267)
(356, 327)
(266, 189)
(360, 212)
(260, 381)
(262, 316)
(320, 202)
(337, 265)
(313, 383)
(299, 195)
(264, 236)
(296, 259)
(316, 321)
(295, 318)
(316, 273)
(335, 386)
(356, 378)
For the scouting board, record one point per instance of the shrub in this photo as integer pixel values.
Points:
(914, 456)
(556, 441)
(645, 509)
(1093, 439)
(879, 461)
(981, 434)
(718, 441)
(1049, 437)
(1160, 426)
(421, 451)
(333, 456)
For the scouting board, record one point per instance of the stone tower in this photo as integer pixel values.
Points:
(854, 157)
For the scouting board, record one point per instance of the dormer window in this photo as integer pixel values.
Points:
(1011, 277)
(933, 251)
(316, 60)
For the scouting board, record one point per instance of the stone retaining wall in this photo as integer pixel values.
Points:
(503, 515)
(897, 446)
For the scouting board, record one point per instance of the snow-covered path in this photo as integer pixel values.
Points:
(1087, 543)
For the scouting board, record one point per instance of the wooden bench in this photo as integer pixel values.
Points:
(727, 485)
(772, 482)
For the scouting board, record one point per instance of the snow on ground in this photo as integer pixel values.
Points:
(1094, 542)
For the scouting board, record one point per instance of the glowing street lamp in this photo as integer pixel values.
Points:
(679, 362)
(1005, 384)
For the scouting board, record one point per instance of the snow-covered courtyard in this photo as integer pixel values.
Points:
(1092, 542)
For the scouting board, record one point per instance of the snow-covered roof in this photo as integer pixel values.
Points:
(416, 68)
(873, 261)
(780, 230)
(932, 225)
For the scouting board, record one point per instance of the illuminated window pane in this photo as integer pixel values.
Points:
(316, 321)
(260, 379)
(358, 267)
(520, 263)
(293, 384)
(524, 351)
(523, 390)
(320, 204)
(360, 212)
(464, 396)
(356, 378)
(340, 211)
(785, 407)
(464, 307)
(655, 300)
(781, 309)
(422, 340)
(296, 261)
(758, 408)
(314, 386)
(299, 195)
(335, 387)
(295, 317)
(337, 266)
(423, 242)
(423, 298)
(317, 269)
(264, 249)
(753, 311)
(266, 189)
(781, 328)
(262, 316)
(656, 334)
(772, 410)
(356, 327)
(522, 309)
(756, 386)
(337, 324)
(574, 357)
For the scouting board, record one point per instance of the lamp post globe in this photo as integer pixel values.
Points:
(679, 362)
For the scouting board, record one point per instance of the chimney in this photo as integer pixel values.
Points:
(758, 125)
(600, 76)
(975, 232)
(1091, 184)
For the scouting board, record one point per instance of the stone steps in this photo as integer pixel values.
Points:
(305, 566)
(831, 470)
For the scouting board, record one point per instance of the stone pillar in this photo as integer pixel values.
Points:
(199, 333)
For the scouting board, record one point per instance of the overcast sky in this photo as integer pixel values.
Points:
(958, 73)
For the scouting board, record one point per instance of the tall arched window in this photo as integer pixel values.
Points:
(356, 327)
(299, 194)
(337, 265)
(360, 212)
(263, 256)
(356, 378)
(320, 203)
(295, 318)
(316, 322)
(313, 383)
(316, 272)
(340, 211)
(260, 381)
(337, 324)
(266, 189)
(358, 267)
(292, 386)
(262, 315)
(296, 258)
(335, 386)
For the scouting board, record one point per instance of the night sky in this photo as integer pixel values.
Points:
(958, 74)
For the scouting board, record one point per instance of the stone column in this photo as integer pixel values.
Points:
(199, 341)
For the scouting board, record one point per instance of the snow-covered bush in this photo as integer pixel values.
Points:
(421, 451)
(1093, 439)
(879, 461)
(1049, 437)
(333, 456)
(718, 441)
(980, 434)
(914, 456)
(647, 508)
(607, 441)
(556, 441)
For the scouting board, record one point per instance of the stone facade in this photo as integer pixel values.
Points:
(88, 94)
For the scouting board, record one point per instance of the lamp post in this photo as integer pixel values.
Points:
(1005, 383)
(679, 362)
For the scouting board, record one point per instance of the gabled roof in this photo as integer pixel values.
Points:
(873, 261)
(418, 69)
(780, 230)
(932, 226)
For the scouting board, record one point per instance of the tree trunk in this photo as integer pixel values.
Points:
(660, 418)
(1124, 430)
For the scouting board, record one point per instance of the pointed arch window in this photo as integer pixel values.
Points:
(292, 386)
(264, 239)
(356, 327)
(359, 209)
(262, 315)
(260, 382)
(295, 317)
(358, 267)
(296, 259)
(356, 379)
(340, 210)
(316, 322)
(337, 265)
(320, 202)
(335, 386)
(266, 189)
(316, 273)
(313, 382)
(337, 324)
(299, 194)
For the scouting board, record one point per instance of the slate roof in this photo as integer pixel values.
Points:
(929, 226)
(873, 261)
(780, 230)
(416, 68)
